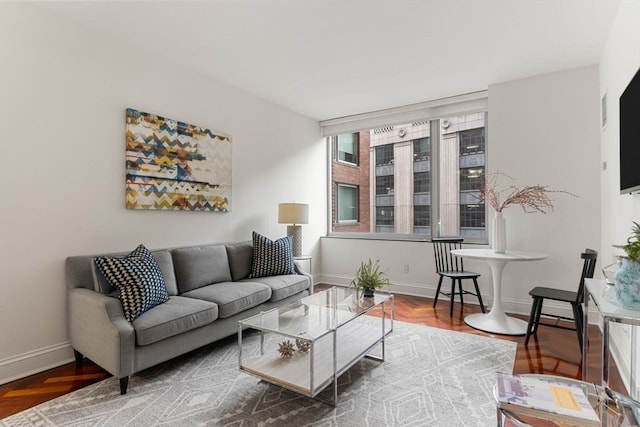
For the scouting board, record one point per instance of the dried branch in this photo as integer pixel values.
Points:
(532, 198)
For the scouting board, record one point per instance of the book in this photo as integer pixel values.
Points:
(545, 398)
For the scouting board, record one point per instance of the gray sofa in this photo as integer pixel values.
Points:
(209, 291)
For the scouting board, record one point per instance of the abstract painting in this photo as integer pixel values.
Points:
(173, 165)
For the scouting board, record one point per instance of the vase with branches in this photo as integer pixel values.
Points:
(531, 198)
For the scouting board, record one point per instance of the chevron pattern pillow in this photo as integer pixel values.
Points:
(272, 257)
(138, 279)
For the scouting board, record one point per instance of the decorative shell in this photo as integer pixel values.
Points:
(286, 349)
(303, 345)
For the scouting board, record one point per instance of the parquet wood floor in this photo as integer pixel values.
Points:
(554, 351)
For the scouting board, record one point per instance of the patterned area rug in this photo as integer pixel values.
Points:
(431, 377)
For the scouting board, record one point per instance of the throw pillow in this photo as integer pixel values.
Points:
(138, 279)
(272, 257)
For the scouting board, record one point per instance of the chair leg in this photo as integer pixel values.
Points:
(475, 283)
(538, 315)
(532, 320)
(453, 295)
(460, 292)
(435, 300)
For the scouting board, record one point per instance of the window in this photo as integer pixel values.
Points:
(415, 179)
(348, 148)
(421, 149)
(347, 203)
(384, 215)
(384, 185)
(384, 155)
(421, 216)
(421, 182)
(472, 141)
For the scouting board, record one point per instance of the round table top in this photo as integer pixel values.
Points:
(489, 254)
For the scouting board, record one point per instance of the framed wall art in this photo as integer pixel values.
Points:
(173, 165)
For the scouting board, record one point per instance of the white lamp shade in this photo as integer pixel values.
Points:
(293, 213)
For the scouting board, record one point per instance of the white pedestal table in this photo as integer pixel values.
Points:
(496, 320)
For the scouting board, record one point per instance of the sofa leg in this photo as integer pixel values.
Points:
(78, 356)
(124, 382)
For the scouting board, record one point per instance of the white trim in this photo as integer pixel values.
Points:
(462, 104)
(33, 362)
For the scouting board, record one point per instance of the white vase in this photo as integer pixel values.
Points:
(499, 242)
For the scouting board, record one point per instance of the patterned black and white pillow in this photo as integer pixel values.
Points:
(138, 279)
(272, 257)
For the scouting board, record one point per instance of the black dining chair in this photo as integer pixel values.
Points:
(575, 298)
(451, 266)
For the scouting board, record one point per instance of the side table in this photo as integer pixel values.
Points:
(603, 297)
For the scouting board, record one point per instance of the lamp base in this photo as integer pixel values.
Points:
(296, 232)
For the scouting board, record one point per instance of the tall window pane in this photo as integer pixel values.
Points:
(347, 203)
(348, 148)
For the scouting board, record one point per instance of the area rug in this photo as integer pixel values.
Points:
(431, 377)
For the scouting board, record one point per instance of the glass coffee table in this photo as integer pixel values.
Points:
(305, 346)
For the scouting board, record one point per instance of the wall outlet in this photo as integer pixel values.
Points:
(406, 268)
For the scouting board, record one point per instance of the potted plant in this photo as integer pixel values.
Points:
(368, 278)
(627, 279)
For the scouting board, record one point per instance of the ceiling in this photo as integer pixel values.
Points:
(332, 58)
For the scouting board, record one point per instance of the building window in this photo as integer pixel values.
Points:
(472, 141)
(421, 182)
(384, 155)
(384, 185)
(347, 148)
(421, 216)
(472, 216)
(421, 149)
(347, 203)
(384, 215)
(471, 178)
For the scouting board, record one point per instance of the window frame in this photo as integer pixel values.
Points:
(433, 111)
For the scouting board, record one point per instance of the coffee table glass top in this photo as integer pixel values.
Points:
(315, 315)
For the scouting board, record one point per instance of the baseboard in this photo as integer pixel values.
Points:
(33, 362)
(522, 307)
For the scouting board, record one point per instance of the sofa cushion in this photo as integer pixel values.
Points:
(232, 297)
(283, 286)
(272, 257)
(138, 279)
(200, 266)
(240, 259)
(174, 317)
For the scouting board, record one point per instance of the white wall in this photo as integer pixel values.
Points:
(620, 61)
(542, 130)
(63, 94)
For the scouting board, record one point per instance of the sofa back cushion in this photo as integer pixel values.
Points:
(199, 266)
(240, 259)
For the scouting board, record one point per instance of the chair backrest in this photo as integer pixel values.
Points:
(588, 268)
(445, 260)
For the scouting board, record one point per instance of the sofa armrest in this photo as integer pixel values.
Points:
(300, 269)
(98, 329)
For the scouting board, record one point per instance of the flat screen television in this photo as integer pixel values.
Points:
(630, 137)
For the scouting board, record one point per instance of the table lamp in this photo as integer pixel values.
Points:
(294, 213)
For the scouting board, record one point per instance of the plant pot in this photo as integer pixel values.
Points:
(368, 293)
(627, 285)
